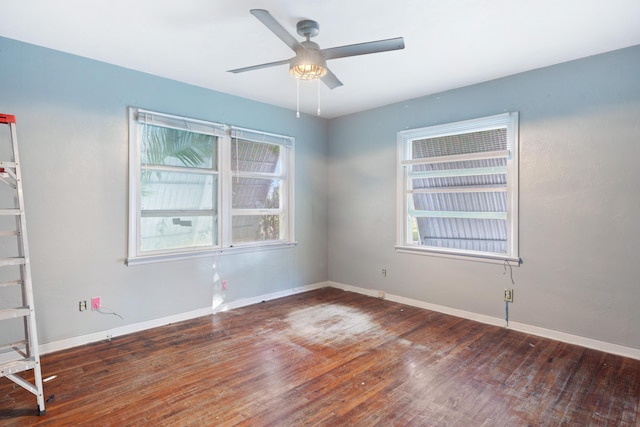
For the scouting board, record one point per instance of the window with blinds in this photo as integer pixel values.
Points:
(198, 188)
(458, 188)
(257, 184)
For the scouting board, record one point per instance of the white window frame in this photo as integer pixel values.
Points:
(404, 230)
(226, 134)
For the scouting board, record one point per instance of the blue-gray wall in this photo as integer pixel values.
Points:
(72, 131)
(579, 200)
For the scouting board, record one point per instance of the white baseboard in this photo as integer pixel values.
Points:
(255, 300)
(631, 352)
(121, 330)
(620, 350)
(142, 326)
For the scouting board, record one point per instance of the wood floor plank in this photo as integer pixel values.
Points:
(331, 358)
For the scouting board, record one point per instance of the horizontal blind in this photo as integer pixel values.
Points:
(257, 136)
(180, 123)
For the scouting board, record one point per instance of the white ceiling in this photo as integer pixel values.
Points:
(449, 43)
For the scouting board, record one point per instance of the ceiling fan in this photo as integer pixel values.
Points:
(309, 63)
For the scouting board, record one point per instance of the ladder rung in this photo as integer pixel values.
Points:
(12, 313)
(15, 346)
(4, 164)
(8, 233)
(11, 261)
(13, 211)
(11, 283)
(15, 366)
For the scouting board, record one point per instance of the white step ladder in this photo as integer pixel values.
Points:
(18, 337)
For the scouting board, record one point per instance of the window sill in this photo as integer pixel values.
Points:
(470, 256)
(150, 259)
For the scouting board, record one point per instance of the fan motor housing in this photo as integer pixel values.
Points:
(308, 28)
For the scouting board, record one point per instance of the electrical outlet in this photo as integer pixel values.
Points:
(82, 305)
(95, 303)
(384, 272)
(508, 295)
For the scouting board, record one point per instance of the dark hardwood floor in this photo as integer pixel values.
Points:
(332, 358)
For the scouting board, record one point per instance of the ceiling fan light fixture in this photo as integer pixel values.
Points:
(308, 71)
(309, 64)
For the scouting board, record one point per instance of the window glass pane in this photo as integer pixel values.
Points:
(484, 179)
(173, 147)
(461, 202)
(252, 228)
(174, 191)
(249, 156)
(256, 193)
(465, 143)
(162, 233)
(497, 180)
(415, 232)
(486, 235)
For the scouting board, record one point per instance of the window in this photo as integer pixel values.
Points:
(458, 189)
(198, 188)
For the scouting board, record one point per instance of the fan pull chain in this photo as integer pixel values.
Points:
(297, 98)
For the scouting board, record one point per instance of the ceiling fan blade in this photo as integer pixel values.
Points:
(331, 80)
(364, 48)
(257, 67)
(276, 28)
